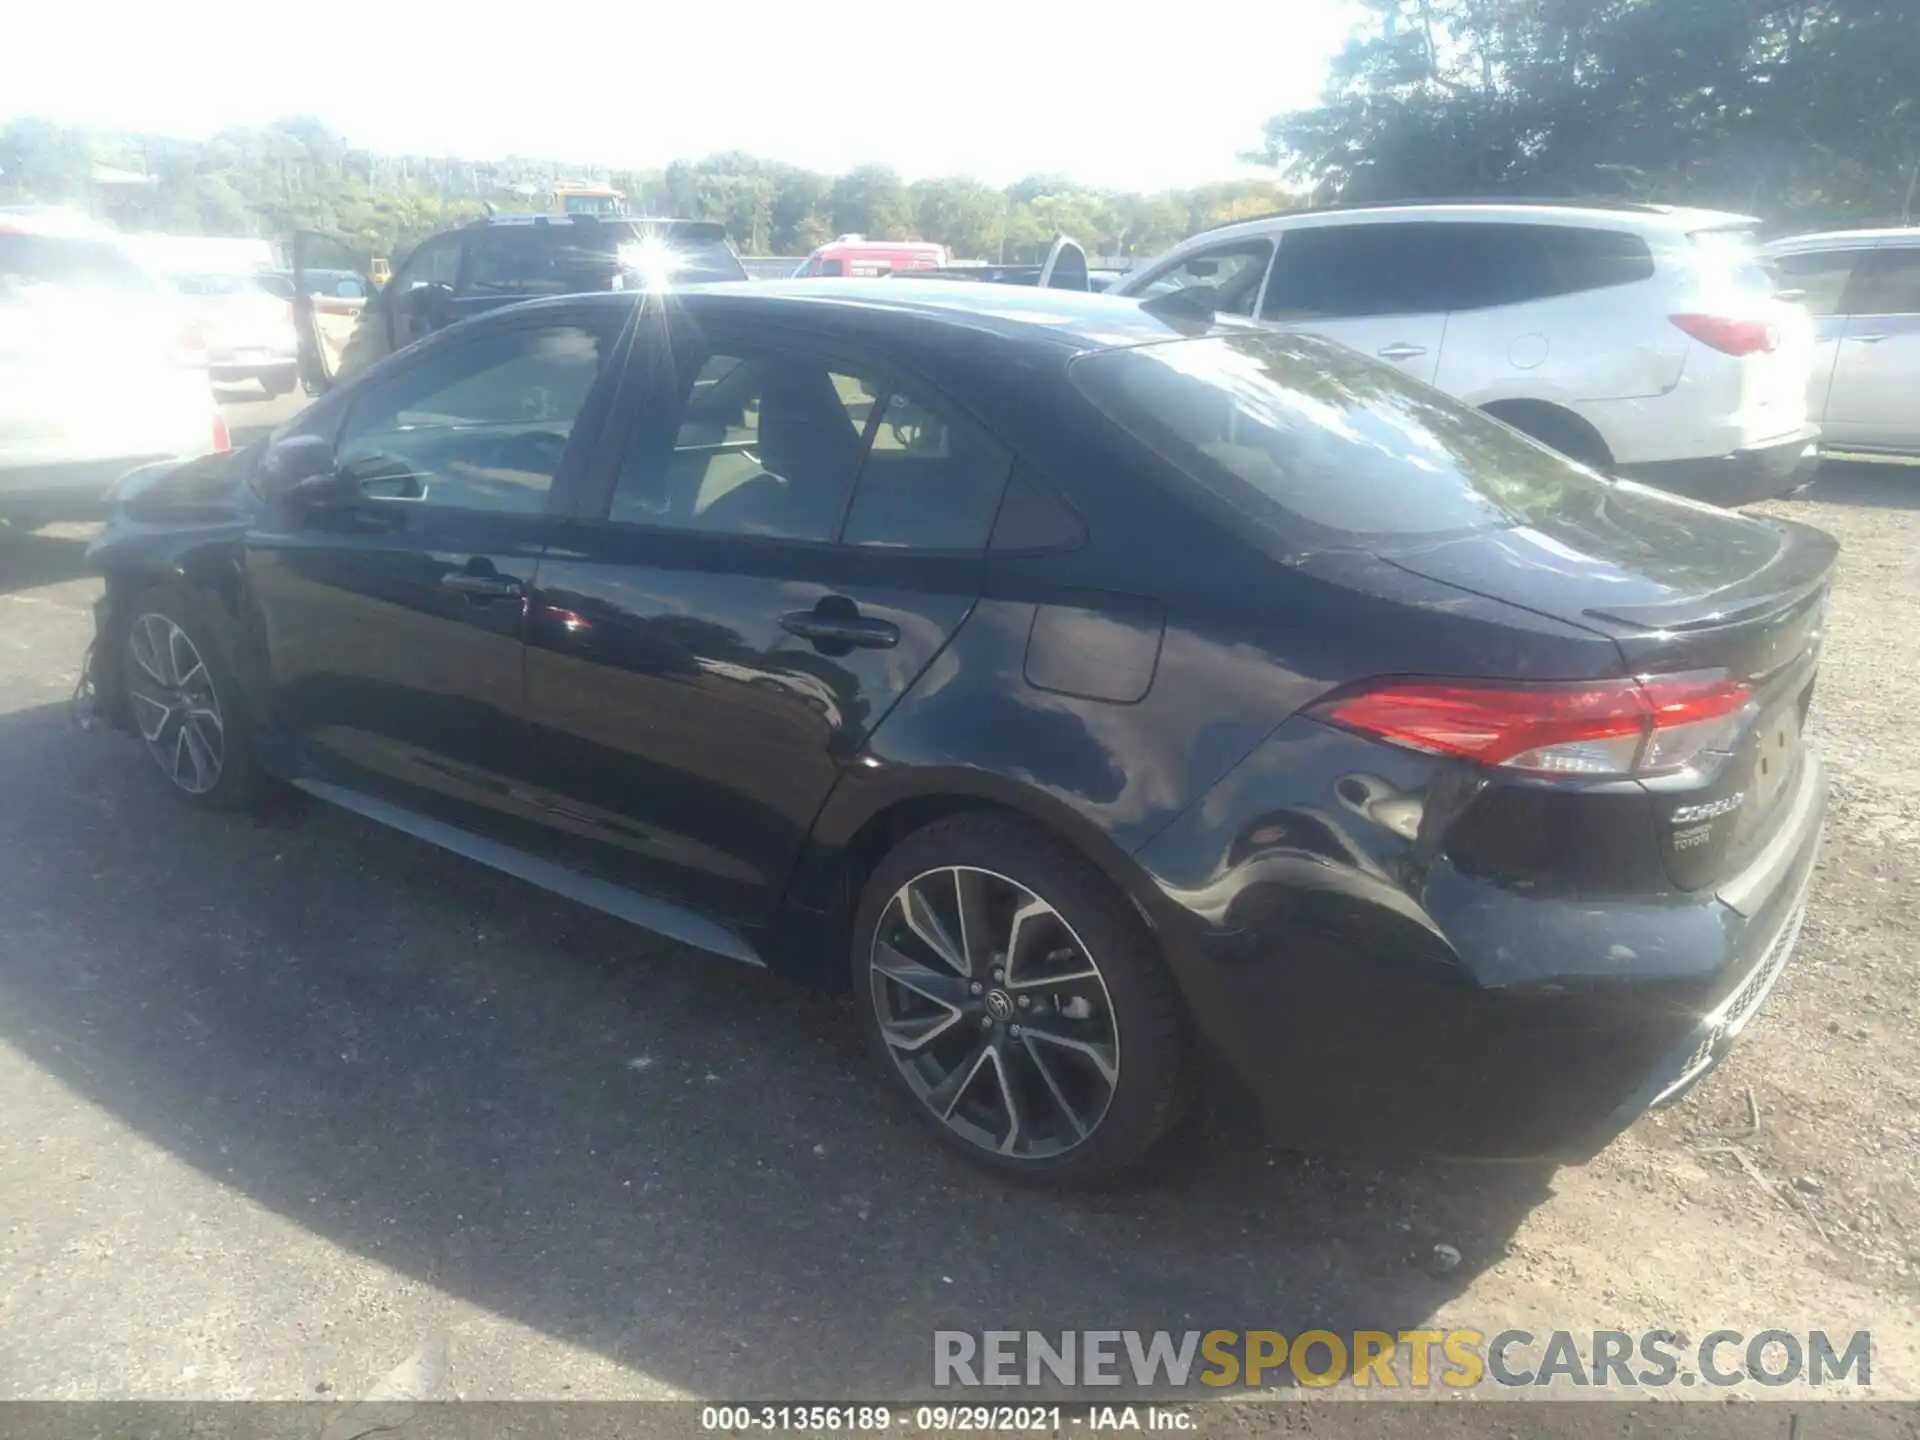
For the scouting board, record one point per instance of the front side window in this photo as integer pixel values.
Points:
(479, 426)
(1334, 272)
(1227, 276)
(1889, 283)
(1820, 275)
(768, 444)
(1318, 445)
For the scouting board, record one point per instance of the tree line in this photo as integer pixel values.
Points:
(298, 174)
(1805, 112)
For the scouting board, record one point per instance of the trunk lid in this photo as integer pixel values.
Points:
(1678, 587)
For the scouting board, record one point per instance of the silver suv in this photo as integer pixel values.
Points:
(1863, 288)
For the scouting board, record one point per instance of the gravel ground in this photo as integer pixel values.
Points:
(288, 1102)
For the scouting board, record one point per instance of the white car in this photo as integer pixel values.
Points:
(1863, 289)
(101, 369)
(1643, 340)
(246, 327)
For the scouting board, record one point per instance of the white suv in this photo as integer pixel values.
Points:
(1644, 340)
(100, 369)
(1863, 287)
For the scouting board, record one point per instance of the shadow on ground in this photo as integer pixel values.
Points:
(677, 1162)
(29, 560)
(1870, 484)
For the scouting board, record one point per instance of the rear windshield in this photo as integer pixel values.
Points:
(1323, 446)
(34, 262)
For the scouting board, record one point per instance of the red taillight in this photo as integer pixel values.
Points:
(1595, 728)
(190, 347)
(1733, 337)
(222, 437)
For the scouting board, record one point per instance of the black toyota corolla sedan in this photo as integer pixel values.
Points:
(1122, 704)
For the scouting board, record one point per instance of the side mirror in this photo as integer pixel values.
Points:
(300, 470)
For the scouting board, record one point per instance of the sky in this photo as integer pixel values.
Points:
(1156, 98)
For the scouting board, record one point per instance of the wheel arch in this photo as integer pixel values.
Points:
(210, 567)
(1545, 419)
(860, 824)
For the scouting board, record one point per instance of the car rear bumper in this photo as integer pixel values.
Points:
(1758, 472)
(1347, 1021)
(223, 369)
(66, 490)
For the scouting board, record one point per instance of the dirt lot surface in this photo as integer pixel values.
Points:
(290, 1103)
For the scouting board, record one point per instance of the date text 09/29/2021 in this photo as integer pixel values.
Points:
(877, 1419)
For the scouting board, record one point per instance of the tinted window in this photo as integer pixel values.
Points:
(1889, 283)
(28, 262)
(931, 480)
(1320, 445)
(479, 426)
(436, 262)
(1334, 271)
(1821, 274)
(767, 444)
(1330, 272)
(1226, 276)
(832, 267)
(539, 261)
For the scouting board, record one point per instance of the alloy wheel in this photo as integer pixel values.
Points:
(995, 1012)
(175, 704)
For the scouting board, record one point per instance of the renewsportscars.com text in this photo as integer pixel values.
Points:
(1411, 1359)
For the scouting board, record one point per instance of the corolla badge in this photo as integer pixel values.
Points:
(1709, 809)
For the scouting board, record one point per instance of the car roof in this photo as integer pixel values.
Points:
(1066, 322)
(1845, 239)
(544, 220)
(1663, 219)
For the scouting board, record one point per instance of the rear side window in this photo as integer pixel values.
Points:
(931, 480)
(1424, 268)
(1889, 283)
(1820, 275)
(1320, 446)
(768, 444)
(59, 262)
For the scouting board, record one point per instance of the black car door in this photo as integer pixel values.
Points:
(785, 542)
(392, 610)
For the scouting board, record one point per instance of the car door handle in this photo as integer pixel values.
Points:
(1869, 339)
(831, 629)
(1401, 351)
(482, 587)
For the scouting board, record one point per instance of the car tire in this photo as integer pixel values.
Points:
(1064, 1064)
(184, 700)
